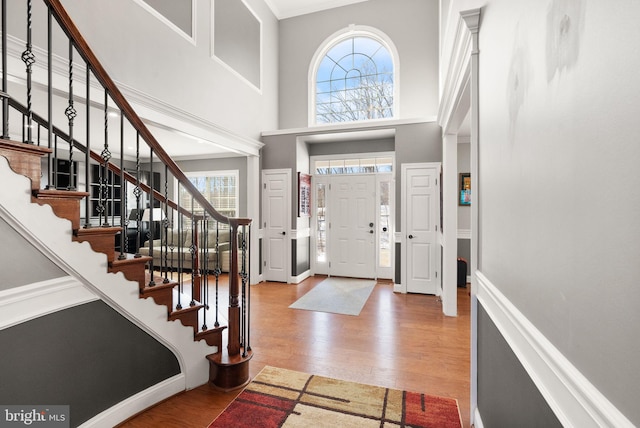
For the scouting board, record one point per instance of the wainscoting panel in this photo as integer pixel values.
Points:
(573, 399)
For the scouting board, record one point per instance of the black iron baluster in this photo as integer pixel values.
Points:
(243, 278)
(106, 156)
(71, 113)
(248, 346)
(5, 95)
(180, 234)
(137, 192)
(50, 159)
(204, 265)
(29, 59)
(124, 218)
(172, 245)
(151, 232)
(217, 271)
(87, 153)
(165, 224)
(193, 249)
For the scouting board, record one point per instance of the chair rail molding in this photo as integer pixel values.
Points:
(575, 401)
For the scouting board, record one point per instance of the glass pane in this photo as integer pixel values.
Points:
(385, 226)
(321, 229)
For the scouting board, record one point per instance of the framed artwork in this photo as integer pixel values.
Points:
(465, 189)
(304, 195)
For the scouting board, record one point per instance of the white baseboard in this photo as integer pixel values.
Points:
(28, 302)
(477, 420)
(574, 400)
(298, 279)
(398, 288)
(137, 403)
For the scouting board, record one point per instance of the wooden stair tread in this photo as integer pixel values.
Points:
(224, 359)
(129, 259)
(98, 230)
(18, 146)
(60, 194)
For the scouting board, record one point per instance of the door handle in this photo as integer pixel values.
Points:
(283, 233)
(371, 231)
(384, 229)
(410, 236)
(370, 224)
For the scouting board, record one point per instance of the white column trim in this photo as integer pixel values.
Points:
(574, 400)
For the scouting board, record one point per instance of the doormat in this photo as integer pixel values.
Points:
(281, 398)
(337, 295)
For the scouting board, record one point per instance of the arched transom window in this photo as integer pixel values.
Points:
(355, 81)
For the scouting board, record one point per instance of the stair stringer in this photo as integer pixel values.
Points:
(52, 236)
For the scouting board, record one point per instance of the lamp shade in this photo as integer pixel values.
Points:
(158, 214)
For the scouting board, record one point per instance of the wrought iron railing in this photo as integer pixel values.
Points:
(106, 178)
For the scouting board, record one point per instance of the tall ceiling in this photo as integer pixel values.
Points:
(289, 8)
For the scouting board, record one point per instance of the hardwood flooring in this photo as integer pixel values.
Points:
(400, 341)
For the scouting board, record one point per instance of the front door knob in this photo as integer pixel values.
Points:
(410, 236)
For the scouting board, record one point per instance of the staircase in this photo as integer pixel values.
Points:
(96, 219)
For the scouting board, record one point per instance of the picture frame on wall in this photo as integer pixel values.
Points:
(304, 195)
(464, 198)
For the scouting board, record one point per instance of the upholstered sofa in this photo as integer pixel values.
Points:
(179, 250)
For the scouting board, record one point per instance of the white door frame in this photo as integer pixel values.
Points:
(287, 224)
(461, 95)
(324, 270)
(404, 266)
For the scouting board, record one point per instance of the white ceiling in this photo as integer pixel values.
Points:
(289, 8)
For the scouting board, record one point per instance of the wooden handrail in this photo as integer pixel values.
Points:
(70, 29)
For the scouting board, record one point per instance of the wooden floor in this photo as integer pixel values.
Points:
(400, 341)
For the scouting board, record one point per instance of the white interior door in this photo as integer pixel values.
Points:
(276, 208)
(422, 199)
(352, 233)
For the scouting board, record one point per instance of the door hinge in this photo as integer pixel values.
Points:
(264, 186)
(265, 224)
(436, 274)
(265, 263)
(436, 227)
(329, 264)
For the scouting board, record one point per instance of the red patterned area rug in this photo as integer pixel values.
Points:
(285, 398)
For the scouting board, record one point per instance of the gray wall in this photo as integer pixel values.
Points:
(412, 25)
(507, 397)
(21, 263)
(179, 12)
(146, 54)
(88, 357)
(558, 166)
(420, 142)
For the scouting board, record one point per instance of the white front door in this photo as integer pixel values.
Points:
(276, 208)
(352, 226)
(421, 226)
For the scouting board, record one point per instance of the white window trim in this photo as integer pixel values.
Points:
(232, 172)
(345, 33)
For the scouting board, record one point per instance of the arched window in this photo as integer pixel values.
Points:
(354, 80)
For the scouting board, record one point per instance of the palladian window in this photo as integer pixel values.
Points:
(355, 82)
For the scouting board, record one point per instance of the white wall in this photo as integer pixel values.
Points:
(141, 51)
(558, 165)
(412, 25)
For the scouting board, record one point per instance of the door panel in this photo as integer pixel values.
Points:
(421, 230)
(352, 239)
(276, 208)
